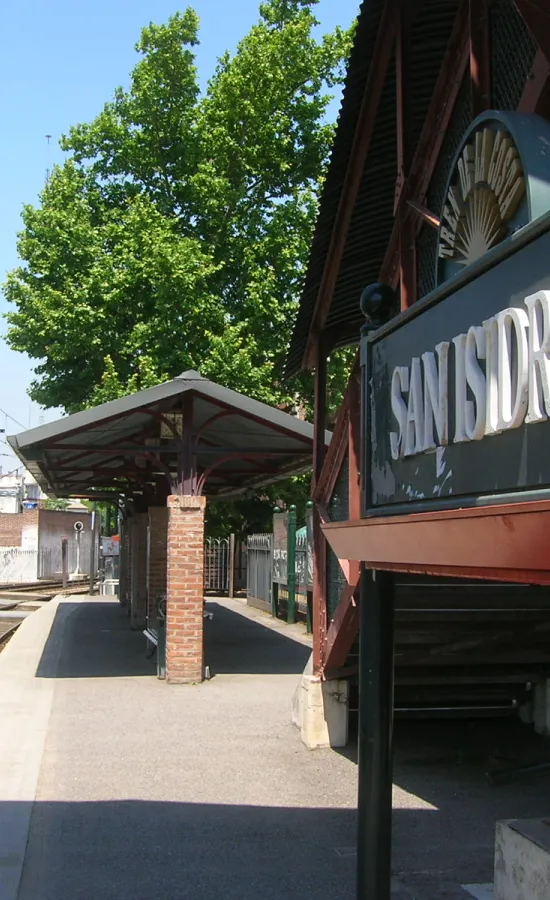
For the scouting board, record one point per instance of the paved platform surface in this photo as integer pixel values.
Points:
(128, 788)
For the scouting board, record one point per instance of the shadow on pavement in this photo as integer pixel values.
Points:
(138, 850)
(444, 764)
(93, 640)
(236, 645)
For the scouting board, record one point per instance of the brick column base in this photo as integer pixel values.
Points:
(185, 594)
(156, 573)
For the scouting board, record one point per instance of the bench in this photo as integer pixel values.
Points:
(152, 636)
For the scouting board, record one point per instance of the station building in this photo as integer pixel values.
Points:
(440, 171)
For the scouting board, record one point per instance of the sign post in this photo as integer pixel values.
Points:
(376, 675)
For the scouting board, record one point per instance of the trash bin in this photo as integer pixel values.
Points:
(161, 647)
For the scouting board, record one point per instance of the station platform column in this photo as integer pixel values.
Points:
(138, 598)
(185, 589)
(158, 552)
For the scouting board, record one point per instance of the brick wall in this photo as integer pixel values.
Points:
(185, 589)
(158, 537)
(139, 572)
(12, 524)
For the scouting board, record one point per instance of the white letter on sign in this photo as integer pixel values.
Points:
(399, 383)
(414, 435)
(513, 373)
(539, 346)
(460, 388)
(475, 350)
(491, 375)
(436, 394)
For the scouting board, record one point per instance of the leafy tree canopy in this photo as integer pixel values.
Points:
(176, 233)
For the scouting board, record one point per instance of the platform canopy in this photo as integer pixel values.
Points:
(187, 435)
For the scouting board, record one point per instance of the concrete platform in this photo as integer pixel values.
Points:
(150, 790)
(121, 786)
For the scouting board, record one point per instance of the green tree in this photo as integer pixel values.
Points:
(176, 234)
(55, 504)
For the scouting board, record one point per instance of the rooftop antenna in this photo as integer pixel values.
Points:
(48, 158)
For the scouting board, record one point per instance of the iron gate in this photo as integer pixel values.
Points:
(216, 565)
(259, 570)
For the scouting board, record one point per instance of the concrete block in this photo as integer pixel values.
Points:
(526, 713)
(324, 712)
(522, 860)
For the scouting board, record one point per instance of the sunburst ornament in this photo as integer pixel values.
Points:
(487, 188)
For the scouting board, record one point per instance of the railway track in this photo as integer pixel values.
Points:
(39, 586)
(26, 598)
(7, 628)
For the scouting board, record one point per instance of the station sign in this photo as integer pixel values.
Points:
(458, 387)
(110, 546)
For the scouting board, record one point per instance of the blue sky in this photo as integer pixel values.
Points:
(59, 62)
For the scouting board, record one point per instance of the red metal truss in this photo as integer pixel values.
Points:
(506, 542)
(431, 139)
(536, 95)
(480, 56)
(468, 50)
(536, 15)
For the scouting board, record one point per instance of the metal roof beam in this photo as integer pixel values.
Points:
(536, 15)
(354, 172)
(431, 139)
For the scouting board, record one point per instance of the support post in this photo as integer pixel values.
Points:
(291, 566)
(274, 599)
(138, 611)
(309, 592)
(185, 590)
(480, 56)
(375, 736)
(64, 562)
(319, 543)
(231, 580)
(157, 565)
(93, 552)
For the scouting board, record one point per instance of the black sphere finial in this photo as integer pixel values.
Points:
(377, 303)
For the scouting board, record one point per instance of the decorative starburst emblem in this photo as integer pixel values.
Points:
(485, 193)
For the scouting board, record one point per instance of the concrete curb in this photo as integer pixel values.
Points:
(25, 706)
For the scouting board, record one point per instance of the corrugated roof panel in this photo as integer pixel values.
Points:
(372, 220)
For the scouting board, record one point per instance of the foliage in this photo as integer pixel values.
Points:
(254, 515)
(176, 233)
(55, 504)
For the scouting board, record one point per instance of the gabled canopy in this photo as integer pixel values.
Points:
(221, 442)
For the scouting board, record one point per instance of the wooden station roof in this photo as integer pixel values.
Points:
(356, 221)
(127, 445)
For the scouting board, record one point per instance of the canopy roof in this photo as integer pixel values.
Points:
(225, 442)
(369, 104)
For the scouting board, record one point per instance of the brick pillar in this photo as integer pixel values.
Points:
(139, 572)
(130, 528)
(156, 572)
(184, 634)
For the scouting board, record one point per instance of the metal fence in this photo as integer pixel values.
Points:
(216, 565)
(50, 562)
(280, 574)
(259, 552)
(304, 563)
